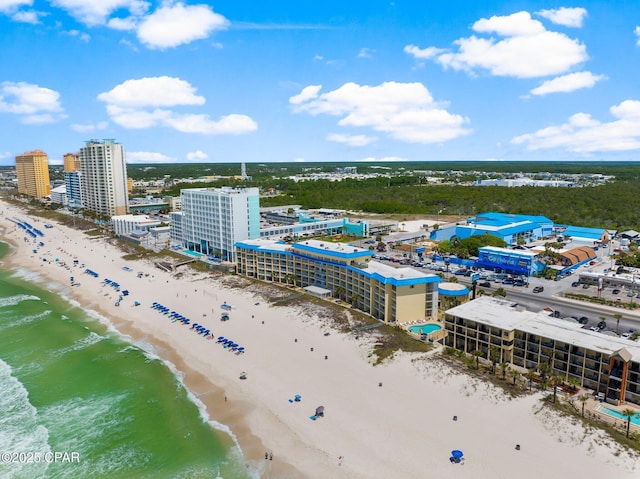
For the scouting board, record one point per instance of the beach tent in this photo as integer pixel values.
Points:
(320, 411)
(457, 454)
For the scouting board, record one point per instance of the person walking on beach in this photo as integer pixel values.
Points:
(340, 458)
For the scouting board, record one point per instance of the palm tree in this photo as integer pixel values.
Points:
(629, 414)
(583, 399)
(477, 353)
(618, 318)
(515, 374)
(574, 383)
(530, 375)
(494, 354)
(504, 367)
(544, 369)
(555, 381)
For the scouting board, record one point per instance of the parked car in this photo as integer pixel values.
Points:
(585, 286)
(485, 284)
(538, 289)
(575, 284)
(507, 281)
(519, 282)
(602, 325)
(616, 291)
(594, 328)
(583, 320)
(630, 294)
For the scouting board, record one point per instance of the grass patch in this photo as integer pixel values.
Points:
(391, 339)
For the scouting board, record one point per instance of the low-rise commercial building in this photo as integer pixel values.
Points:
(609, 365)
(392, 295)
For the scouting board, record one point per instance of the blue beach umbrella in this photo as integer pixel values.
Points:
(457, 454)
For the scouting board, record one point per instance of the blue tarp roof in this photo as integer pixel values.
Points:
(581, 232)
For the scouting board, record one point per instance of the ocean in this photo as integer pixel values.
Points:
(77, 400)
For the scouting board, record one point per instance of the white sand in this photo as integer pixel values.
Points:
(403, 429)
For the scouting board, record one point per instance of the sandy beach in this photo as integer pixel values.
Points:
(392, 420)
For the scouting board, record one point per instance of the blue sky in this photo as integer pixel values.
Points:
(264, 81)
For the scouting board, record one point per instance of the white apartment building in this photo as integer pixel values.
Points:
(214, 219)
(104, 178)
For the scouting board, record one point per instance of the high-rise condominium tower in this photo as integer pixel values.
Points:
(32, 170)
(104, 178)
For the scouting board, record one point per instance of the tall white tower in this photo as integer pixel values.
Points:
(243, 171)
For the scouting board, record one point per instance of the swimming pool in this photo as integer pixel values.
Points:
(425, 328)
(616, 414)
(192, 253)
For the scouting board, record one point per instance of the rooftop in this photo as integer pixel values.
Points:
(502, 313)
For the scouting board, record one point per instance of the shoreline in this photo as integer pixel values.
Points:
(384, 421)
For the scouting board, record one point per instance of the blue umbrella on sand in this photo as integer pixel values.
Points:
(457, 454)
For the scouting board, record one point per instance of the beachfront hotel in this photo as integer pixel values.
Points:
(212, 220)
(32, 170)
(104, 178)
(324, 269)
(606, 364)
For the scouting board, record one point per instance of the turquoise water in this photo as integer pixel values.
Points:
(192, 253)
(70, 384)
(425, 328)
(613, 413)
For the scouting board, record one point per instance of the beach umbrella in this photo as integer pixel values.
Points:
(320, 411)
(457, 454)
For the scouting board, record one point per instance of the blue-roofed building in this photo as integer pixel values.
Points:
(508, 227)
(510, 261)
(589, 236)
(389, 294)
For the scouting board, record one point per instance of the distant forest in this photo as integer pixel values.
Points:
(615, 205)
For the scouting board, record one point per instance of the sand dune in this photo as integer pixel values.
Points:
(403, 428)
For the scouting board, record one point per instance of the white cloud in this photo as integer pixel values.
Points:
(197, 156)
(143, 103)
(637, 32)
(422, 53)
(148, 157)
(174, 25)
(568, 83)
(366, 53)
(28, 16)
(152, 91)
(4, 155)
(124, 24)
(527, 51)
(96, 12)
(568, 17)
(34, 104)
(9, 6)
(583, 134)
(351, 140)
(307, 93)
(405, 111)
(85, 37)
(89, 127)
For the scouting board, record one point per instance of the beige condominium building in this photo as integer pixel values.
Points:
(392, 295)
(606, 364)
(32, 170)
(104, 178)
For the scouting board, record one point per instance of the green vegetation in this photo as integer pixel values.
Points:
(393, 339)
(469, 246)
(405, 190)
